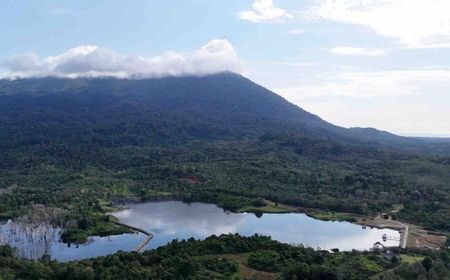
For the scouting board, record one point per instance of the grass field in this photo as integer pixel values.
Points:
(332, 216)
(409, 259)
(265, 209)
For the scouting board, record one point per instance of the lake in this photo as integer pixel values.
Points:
(177, 220)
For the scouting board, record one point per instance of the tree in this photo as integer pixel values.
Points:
(427, 262)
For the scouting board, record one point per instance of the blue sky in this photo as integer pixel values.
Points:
(378, 63)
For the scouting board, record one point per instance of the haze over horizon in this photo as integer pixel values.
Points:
(381, 64)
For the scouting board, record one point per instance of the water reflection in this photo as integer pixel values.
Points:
(177, 220)
(31, 240)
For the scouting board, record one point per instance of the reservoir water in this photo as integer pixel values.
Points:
(177, 220)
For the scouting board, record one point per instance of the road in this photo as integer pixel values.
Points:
(404, 238)
(140, 247)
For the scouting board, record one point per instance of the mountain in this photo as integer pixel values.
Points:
(75, 144)
(173, 109)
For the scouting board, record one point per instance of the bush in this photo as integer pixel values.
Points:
(265, 260)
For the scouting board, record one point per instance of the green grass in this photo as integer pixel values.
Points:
(332, 216)
(107, 205)
(244, 271)
(409, 259)
(101, 228)
(371, 265)
(265, 209)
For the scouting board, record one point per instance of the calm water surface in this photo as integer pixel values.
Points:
(177, 220)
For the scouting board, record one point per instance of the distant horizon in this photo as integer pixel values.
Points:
(443, 136)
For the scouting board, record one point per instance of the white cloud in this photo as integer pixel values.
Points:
(264, 11)
(368, 84)
(296, 31)
(415, 23)
(92, 61)
(357, 51)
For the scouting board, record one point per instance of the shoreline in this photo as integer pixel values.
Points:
(404, 229)
(278, 208)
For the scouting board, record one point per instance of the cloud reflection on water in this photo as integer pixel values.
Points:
(174, 217)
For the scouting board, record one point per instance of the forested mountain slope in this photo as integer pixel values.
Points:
(208, 107)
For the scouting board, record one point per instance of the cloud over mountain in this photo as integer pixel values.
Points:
(91, 61)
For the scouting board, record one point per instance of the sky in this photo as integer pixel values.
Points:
(355, 63)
